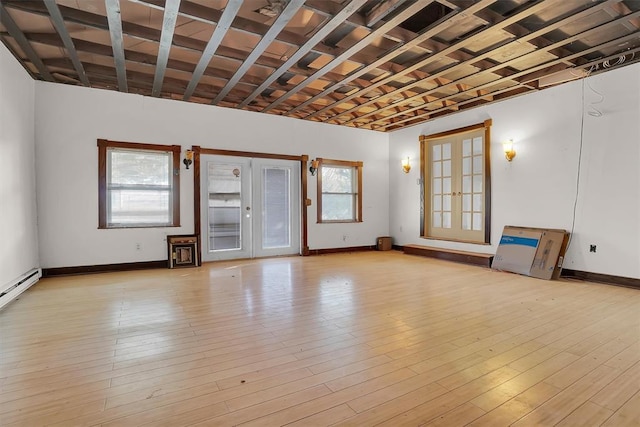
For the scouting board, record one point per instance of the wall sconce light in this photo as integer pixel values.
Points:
(314, 167)
(509, 151)
(406, 165)
(188, 158)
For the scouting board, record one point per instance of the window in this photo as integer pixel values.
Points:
(138, 185)
(457, 184)
(339, 191)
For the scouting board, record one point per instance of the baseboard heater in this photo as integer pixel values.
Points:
(14, 288)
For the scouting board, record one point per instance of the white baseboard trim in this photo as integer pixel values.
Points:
(11, 290)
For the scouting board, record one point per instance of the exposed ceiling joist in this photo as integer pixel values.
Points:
(223, 26)
(337, 20)
(59, 25)
(24, 44)
(372, 64)
(168, 27)
(283, 19)
(117, 43)
(353, 49)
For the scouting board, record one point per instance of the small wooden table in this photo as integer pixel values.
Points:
(183, 250)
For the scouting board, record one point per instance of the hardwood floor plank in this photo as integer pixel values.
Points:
(628, 415)
(587, 414)
(334, 339)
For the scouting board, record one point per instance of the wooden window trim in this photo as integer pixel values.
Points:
(424, 205)
(103, 145)
(343, 163)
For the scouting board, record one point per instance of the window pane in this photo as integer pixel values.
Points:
(437, 169)
(466, 221)
(477, 221)
(477, 145)
(466, 184)
(275, 208)
(225, 215)
(446, 186)
(446, 151)
(337, 179)
(437, 219)
(446, 219)
(477, 164)
(477, 183)
(437, 203)
(466, 202)
(466, 148)
(139, 167)
(139, 207)
(466, 166)
(437, 149)
(446, 205)
(338, 207)
(437, 186)
(477, 202)
(446, 168)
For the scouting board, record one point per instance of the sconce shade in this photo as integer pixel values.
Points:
(509, 152)
(188, 158)
(314, 167)
(406, 165)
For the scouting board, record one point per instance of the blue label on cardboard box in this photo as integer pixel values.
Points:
(522, 241)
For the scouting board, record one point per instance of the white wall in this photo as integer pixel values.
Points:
(539, 187)
(70, 119)
(18, 224)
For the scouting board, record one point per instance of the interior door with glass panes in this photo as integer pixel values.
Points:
(249, 207)
(276, 219)
(456, 187)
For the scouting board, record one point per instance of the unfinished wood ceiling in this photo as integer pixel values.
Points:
(373, 64)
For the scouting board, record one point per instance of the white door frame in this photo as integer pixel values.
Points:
(303, 181)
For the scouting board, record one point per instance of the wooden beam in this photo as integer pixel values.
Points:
(168, 27)
(24, 44)
(326, 29)
(559, 23)
(281, 22)
(381, 10)
(230, 11)
(364, 42)
(58, 23)
(433, 30)
(117, 43)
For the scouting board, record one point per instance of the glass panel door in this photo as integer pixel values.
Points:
(250, 207)
(277, 226)
(226, 208)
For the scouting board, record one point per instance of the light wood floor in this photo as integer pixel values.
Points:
(363, 339)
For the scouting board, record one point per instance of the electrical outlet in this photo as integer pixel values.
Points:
(592, 248)
(344, 237)
(137, 246)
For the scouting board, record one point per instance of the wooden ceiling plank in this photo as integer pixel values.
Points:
(58, 23)
(431, 31)
(211, 16)
(527, 10)
(168, 28)
(532, 76)
(336, 21)
(283, 19)
(117, 42)
(364, 42)
(19, 37)
(550, 27)
(230, 11)
(381, 10)
(436, 28)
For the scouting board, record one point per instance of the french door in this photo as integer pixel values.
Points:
(250, 207)
(455, 187)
